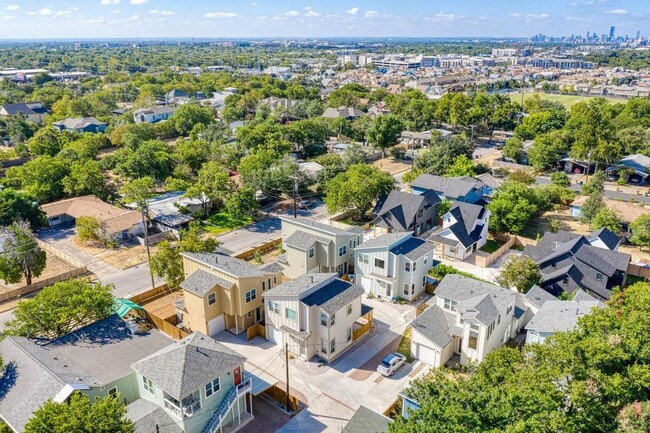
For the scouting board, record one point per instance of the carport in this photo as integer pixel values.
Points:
(262, 381)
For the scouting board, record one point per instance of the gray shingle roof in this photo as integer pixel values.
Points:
(272, 267)
(148, 417)
(187, 365)
(366, 420)
(230, 265)
(201, 282)
(78, 122)
(28, 109)
(537, 296)
(558, 316)
(308, 222)
(450, 187)
(294, 332)
(334, 295)
(385, 240)
(303, 240)
(299, 285)
(466, 215)
(402, 207)
(609, 238)
(413, 248)
(432, 324)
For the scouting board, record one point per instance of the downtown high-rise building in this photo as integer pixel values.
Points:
(612, 29)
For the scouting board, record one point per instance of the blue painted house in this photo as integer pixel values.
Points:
(80, 124)
(463, 188)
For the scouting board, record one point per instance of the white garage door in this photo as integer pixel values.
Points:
(216, 325)
(428, 355)
(274, 335)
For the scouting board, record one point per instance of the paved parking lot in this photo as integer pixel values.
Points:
(331, 393)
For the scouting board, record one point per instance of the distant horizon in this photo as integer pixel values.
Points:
(152, 19)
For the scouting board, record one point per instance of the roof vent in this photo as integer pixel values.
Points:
(311, 279)
(216, 259)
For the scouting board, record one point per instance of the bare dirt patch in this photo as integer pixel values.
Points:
(54, 266)
(392, 166)
(122, 257)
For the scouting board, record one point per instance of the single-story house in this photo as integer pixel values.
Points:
(462, 188)
(423, 139)
(80, 124)
(116, 221)
(171, 211)
(637, 163)
(32, 111)
(153, 115)
(348, 113)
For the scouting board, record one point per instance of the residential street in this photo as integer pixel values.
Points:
(616, 195)
(333, 392)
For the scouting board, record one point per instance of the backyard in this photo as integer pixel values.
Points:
(491, 246)
(405, 344)
(222, 222)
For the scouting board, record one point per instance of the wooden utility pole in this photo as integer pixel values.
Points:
(146, 244)
(286, 363)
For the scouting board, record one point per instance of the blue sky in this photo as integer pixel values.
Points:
(267, 18)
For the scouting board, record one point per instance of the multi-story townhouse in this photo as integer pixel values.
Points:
(464, 230)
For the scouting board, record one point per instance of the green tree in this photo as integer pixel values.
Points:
(40, 177)
(80, 415)
(132, 134)
(514, 148)
(46, 141)
(384, 132)
(591, 207)
(462, 166)
(356, 189)
(16, 206)
(61, 308)
(213, 185)
(444, 206)
(547, 150)
(442, 154)
(560, 178)
(595, 184)
(512, 206)
(640, 229)
(242, 202)
(519, 272)
(21, 256)
(607, 218)
(84, 178)
(189, 115)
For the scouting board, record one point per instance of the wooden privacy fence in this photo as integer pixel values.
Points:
(151, 293)
(484, 259)
(35, 287)
(638, 271)
(255, 330)
(166, 327)
(363, 329)
(280, 395)
(249, 254)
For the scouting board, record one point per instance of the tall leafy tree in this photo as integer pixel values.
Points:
(384, 132)
(640, 229)
(519, 272)
(21, 256)
(16, 206)
(356, 189)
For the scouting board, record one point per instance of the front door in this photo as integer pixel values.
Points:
(236, 375)
(258, 314)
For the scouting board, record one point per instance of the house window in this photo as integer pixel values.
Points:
(343, 250)
(379, 263)
(425, 259)
(332, 319)
(452, 250)
(415, 265)
(148, 386)
(212, 387)
(349, 334)
(323, 345)
(473, 337)
(407, 266)
(274, 306)
(268, 283)
(420, 213)
(250, 296)
(112, 392)
(412, 289)
(212, 298)
(424, 281)
(290, 314)
(599, 277)
(565, 281)
(499, 320)
(311, 253)
(263, 286)
(351, 244)
(323, 319)
(450, 305)
(349, 309)
(509, 309)
(275, 280)
(364, 258)
(333, 345)
(406, 289)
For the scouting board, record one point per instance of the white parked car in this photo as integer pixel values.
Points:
(391, 364)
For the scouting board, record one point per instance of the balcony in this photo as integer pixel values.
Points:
(188, 407)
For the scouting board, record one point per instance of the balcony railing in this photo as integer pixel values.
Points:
(188, 410)
(227, 404)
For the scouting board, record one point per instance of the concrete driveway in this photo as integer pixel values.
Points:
(331, 393)
(268, 418)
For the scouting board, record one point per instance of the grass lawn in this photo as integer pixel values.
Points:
(566, 100)
(405, 344)
(632, 279)
(221, 222)
(491, 246)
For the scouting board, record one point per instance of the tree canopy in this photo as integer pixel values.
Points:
(356, 189)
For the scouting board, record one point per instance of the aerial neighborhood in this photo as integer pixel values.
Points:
(302, 235)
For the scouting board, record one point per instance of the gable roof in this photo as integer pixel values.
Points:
(115, 218)
(225, 263)
(27, 109)
(433, 325)
(536, 296)
(303, 240)
(385, 240)
(366, 420)
(148, 417)
(200, 282)
(450, 187)
(187, 365)
(606, 236)
(308, 222)
(466, 215)
(637, 162)
(300, 284)
(345, 112)
(558, 316)
(78, 122)
(399, 208)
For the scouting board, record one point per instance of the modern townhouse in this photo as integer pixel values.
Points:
(464, 230)
(315, 314)
(222, 292)
(463, 188)
(312, 246)
(403, 212)
(466, 317)
(394, 265)
(569, 262)
(195, 385)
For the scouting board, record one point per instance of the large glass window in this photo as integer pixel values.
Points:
(450, 305)
(250, 296)
(311, 253)
(290, 314)
(274, 307)
(349, 310)
(148, 386)
(407, 266)
(379, 263)
(343, 250)
(323, 319)
(323, 345)
(472, 343)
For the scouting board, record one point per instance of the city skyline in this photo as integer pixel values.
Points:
(265, 18)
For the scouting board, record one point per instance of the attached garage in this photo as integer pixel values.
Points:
(274, 335)
(216, 325)
(427, 355)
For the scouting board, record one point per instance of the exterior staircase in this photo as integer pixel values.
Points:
(216, 422)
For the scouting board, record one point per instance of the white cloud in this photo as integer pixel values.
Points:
(46, 11)
(352, 11)
(529, 16)
(109, 2)
(371, 14)
(292, 13)
(12, 8)
(159, 12)
(134, 17)
(618, 12)
(254, 4)
(139, 2)
(311, 12)
(220, 15)
(7, 17)
(115, 11)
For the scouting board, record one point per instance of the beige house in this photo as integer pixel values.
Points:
(222, 292)
(312, 246)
